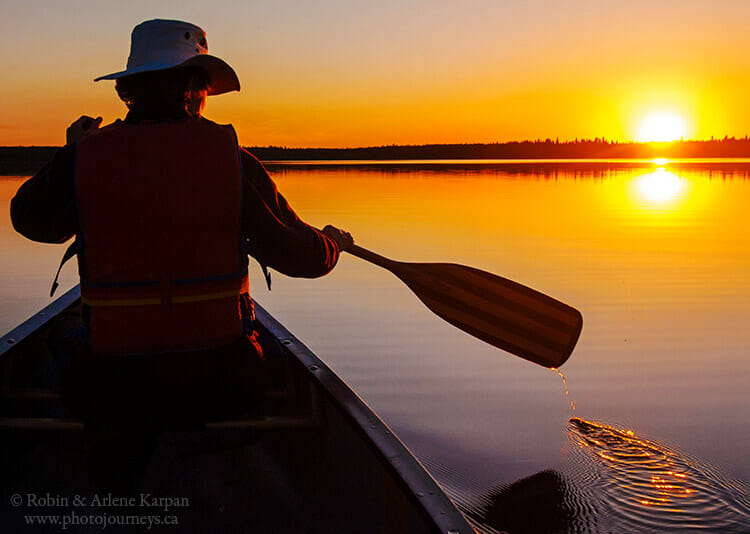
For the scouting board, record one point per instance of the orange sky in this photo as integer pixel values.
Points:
(356, 73)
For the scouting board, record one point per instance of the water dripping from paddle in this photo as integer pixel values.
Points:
(565, 386)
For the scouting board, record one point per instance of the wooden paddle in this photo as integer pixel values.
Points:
(501, 312)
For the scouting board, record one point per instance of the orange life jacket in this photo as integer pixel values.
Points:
(161, 258)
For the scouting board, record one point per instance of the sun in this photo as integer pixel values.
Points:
(662, 126)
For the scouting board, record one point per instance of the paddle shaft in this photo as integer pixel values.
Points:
(501, 312)
(367, 255)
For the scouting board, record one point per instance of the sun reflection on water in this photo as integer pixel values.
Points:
(660, 188)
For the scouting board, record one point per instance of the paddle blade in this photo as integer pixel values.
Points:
(501, 312)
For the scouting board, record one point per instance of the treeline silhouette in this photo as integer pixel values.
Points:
(728, 147)
(24, 160)
(27, 160)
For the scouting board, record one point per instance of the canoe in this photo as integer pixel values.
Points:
(319, 461)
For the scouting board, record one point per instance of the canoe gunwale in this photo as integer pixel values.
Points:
(402, 465)
(16, 336)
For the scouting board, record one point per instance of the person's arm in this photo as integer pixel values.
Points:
(285, 242)
(44, 206)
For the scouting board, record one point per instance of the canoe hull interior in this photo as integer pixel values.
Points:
(320, 462)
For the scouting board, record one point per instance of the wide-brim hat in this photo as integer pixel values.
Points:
(167, 44)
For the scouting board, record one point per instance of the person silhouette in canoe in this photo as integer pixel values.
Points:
(165, 207)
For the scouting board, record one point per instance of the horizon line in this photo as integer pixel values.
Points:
(547, 140)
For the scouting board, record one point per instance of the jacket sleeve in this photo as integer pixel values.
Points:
(44, 206)
(284, 242)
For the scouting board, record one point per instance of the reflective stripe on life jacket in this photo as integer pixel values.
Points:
(161, 260)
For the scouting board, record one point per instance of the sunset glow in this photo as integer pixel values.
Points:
(344, 74)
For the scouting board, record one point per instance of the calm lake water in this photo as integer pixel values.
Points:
(648, 433)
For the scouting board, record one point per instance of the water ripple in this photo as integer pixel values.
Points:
(641, 486)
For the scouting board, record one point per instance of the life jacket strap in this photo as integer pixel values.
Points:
(252, 250)
(71, 251)
(166, 292)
